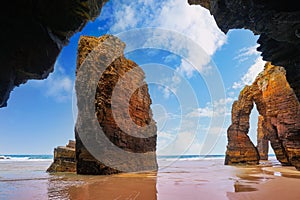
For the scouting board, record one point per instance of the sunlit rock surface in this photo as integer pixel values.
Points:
(279, 122)
(240, 149)
(134, 130)
(262, 139)
(64, 158)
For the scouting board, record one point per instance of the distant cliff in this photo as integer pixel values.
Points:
(279, 120)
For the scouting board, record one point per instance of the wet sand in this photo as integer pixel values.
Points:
(184, 179)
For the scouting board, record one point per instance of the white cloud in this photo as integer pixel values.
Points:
(170, 85)
(169, 90)
(58, 85)
(182, 143)
(170, 58)
(128, 16)
(217, 130)
(194, 22)
(251, 74)
(217, 108)
(191, 132)
(164, 139)
(237, 85)
(201, 112)
(245, 53)
(185, 68)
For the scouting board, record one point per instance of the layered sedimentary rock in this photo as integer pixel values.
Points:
(64, 159)
(122, 106)
(277, 23)
(33, 34)
(279, 122)
(262, 140)
(240, 149)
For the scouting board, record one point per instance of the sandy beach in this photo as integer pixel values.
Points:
(182, 179)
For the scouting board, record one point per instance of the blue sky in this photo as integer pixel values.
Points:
(40, 114)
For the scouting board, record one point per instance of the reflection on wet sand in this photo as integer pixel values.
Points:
(198, 179)
(268, 180)
(121, 186)
(125, 186)
(184, 179)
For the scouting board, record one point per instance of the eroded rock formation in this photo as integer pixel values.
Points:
(262, 139)
(277, 23)
(122, 106)
(33, 34)
(279, 122)
(240, 149)
(64, 159)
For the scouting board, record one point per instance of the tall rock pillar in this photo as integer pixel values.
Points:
(262, 140)
(122, 108)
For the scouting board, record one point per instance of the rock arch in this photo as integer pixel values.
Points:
(279, 120)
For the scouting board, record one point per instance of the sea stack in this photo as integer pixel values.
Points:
(279, 120)
(64, 158)
(122, 109)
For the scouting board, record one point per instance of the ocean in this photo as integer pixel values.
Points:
(47, 157)
(26, 157)
(179, 177)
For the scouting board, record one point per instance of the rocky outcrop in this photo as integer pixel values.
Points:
(122, 107)
(262, 140)
(33, 34)
(279, 122)
(240, 149)
(277, 23)
(64, 159)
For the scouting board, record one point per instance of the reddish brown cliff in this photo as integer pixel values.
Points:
(240, 149)
(262, 140)
(279, 123)
(122, 107)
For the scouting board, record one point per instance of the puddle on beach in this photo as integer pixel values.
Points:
(248, 178)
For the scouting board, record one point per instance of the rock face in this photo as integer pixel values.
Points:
(45, 27)
(277, 23)
(262, 140)
(64, 159)
(240, 149)
(279, 120)
(125, 116)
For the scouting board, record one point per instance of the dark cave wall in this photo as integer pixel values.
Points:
(277, 23)
(46, 27)
(33, 32)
